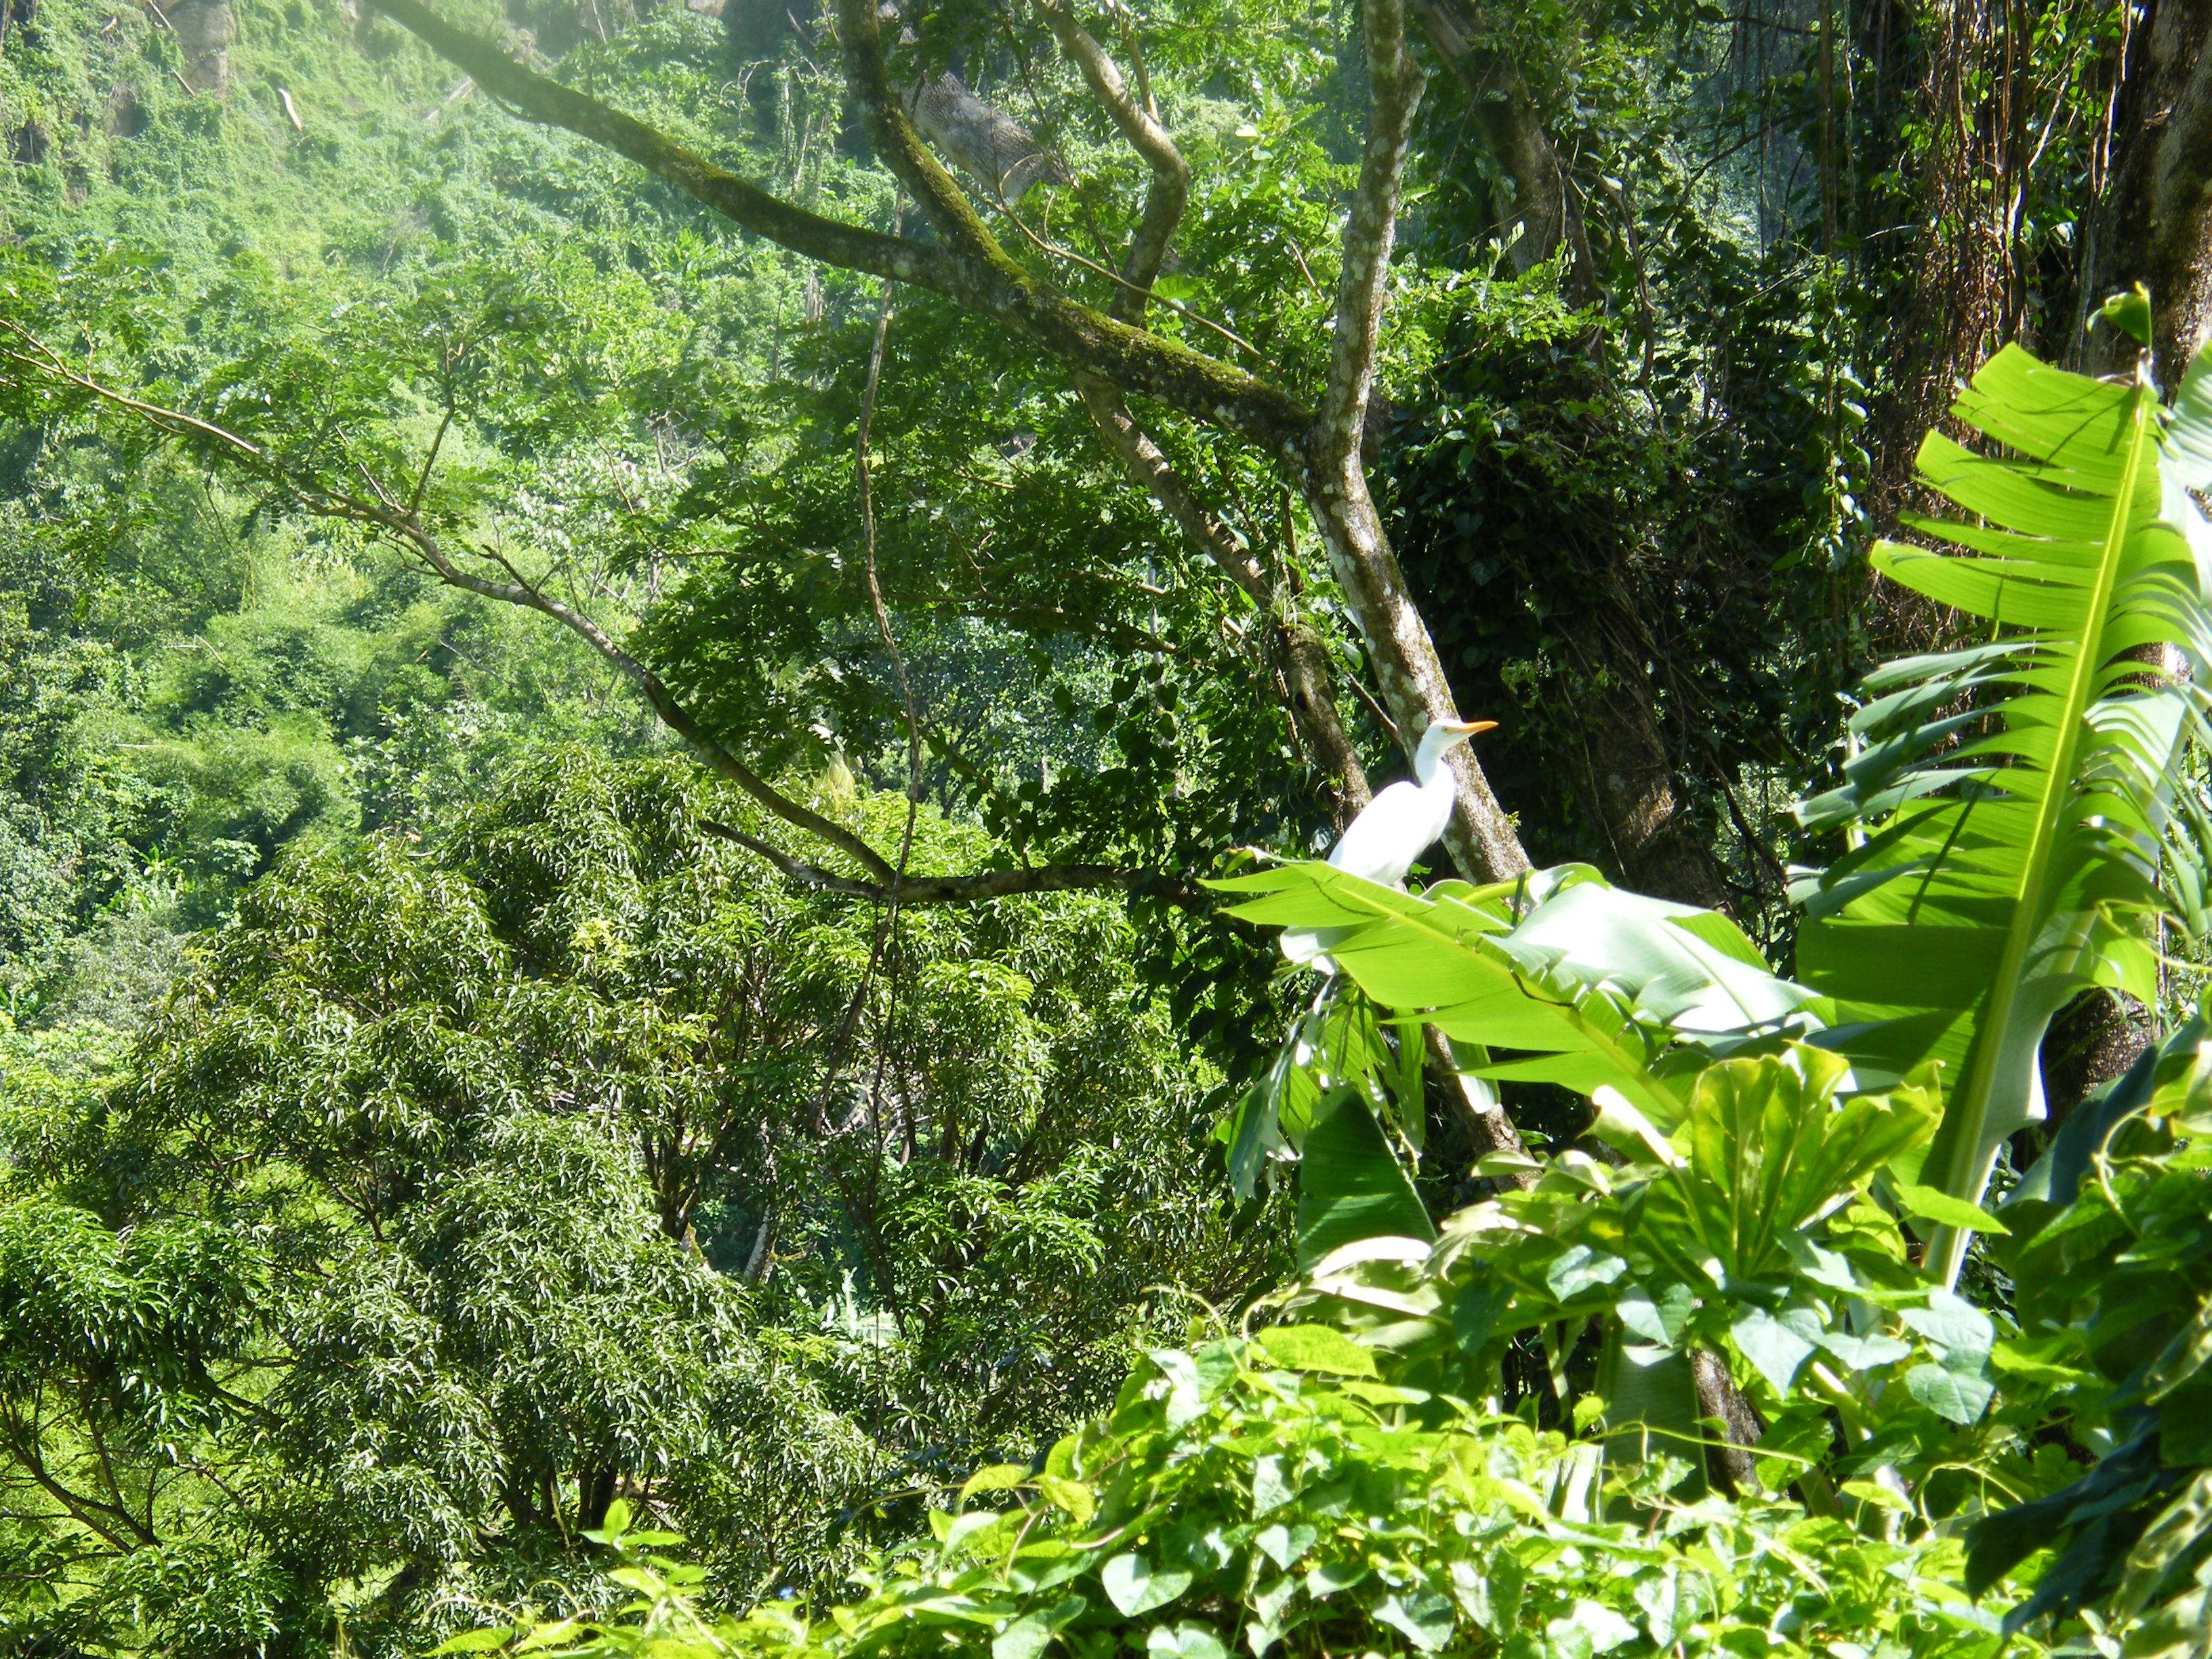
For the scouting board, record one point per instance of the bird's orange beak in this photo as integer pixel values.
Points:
(1468, 728)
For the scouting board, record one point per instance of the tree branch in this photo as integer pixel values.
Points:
(405, 525)
(1305, 658)
(1403, 656)
(972, 270)
(1505, 113)
(538, 98)
(1369, 231)
(1168, 194)
(984, 885)
(672, 713)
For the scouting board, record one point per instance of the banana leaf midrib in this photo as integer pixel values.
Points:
(1969, 1106)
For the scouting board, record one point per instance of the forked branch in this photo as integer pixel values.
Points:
(1168, 194)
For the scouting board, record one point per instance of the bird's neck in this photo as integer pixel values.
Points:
(1434, 772)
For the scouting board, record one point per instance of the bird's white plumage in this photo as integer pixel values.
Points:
(1399, 825)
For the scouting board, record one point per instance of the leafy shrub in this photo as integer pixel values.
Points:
(2110, 1253)
(1276, 1495)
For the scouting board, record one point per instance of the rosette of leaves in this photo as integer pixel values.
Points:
(1749, 1233)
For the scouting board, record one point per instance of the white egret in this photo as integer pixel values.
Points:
(1399, 825)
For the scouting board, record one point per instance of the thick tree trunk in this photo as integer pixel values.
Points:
(1633, 788)
(1332, 475)
(1403, 659)
(1625, 776)
(2154, 226)
(1505, 114)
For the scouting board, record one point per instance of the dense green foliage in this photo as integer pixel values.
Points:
(453, 1142)
(1277, 1496)
(1768, 1205)
(453, 1192)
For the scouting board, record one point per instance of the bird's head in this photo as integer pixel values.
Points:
(1442, 736)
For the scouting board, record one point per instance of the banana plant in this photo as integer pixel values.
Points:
(1558, 977)
(2020, 825)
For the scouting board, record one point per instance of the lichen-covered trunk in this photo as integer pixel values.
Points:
(1402, 659)
(2154, 226)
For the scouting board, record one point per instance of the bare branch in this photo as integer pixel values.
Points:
(672, 713)
(406, 526)
(1168, 193)
(866, 77)
(984, 885)
(1144, 462)
(48, 362)
(1128, 293)
(1303, 656)
(1369, 228)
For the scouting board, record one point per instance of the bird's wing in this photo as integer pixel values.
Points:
(1379, 845)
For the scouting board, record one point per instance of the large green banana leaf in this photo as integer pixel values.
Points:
(2018, 798)
(1581, 984)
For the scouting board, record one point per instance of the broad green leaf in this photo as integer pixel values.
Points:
(1285, 1546)
(1026, 1638)
(477, 1641)
(1584, 988)
(2008, 856)
(2189, 1352)
(1351, 1185)
(1187, 1640)
(1135, 1588)
(1271, 1485)
(1770, 1146)
(1775, 1346)
(995, 1477)
(1952, 1395)
(1932, 1204)
(1958, 1331)
(1672, 1599)
(1422, 1617)
(1650, 1401)
(1863, 1353)
(1316, 1348)
(1662, 1320)
(2179, 1527)
(1031, 1634)
(1073, 1496)
(1579, 1269)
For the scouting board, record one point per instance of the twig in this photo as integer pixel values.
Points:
(1056, 250)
